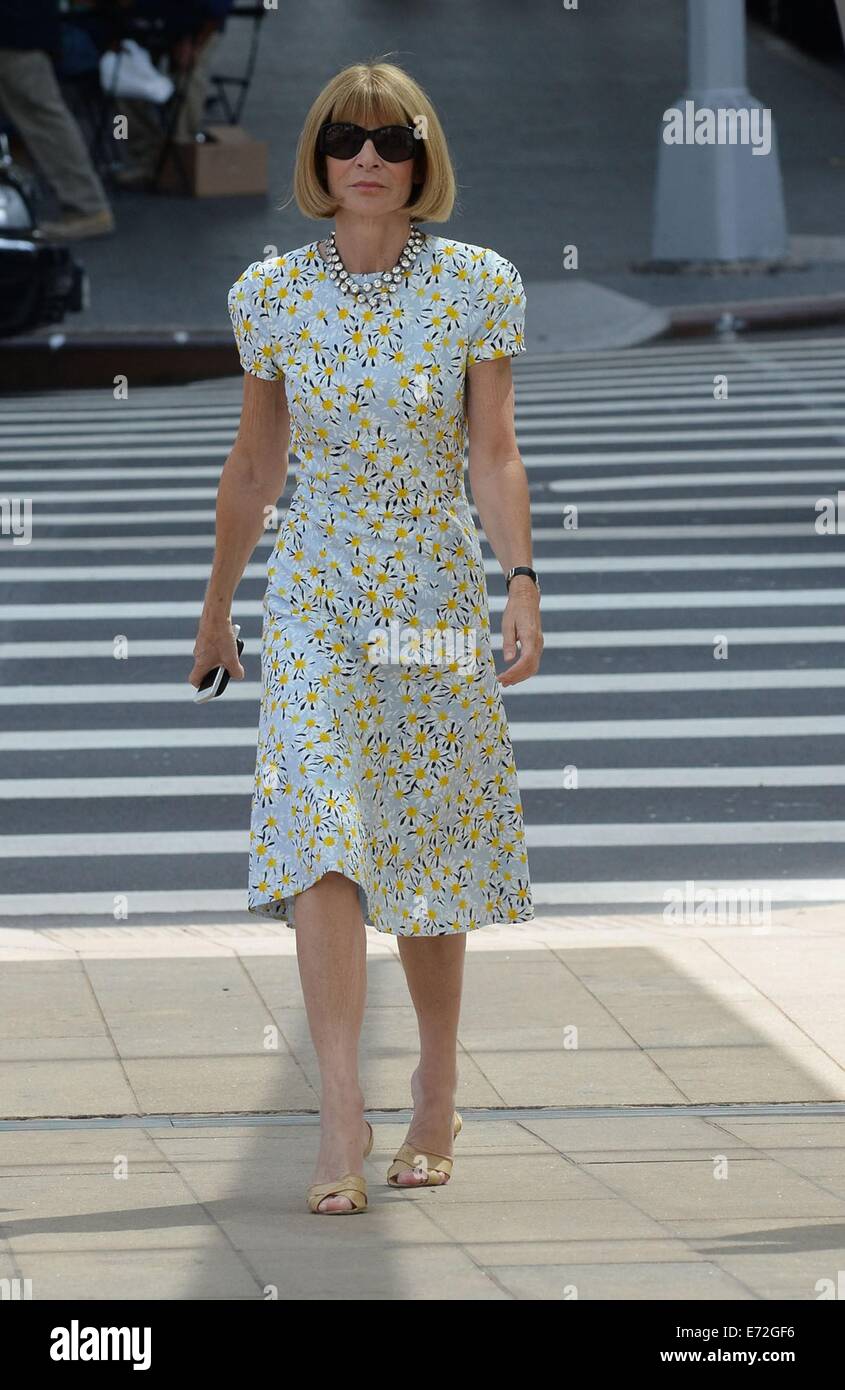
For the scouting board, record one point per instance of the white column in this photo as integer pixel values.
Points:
(719, 195)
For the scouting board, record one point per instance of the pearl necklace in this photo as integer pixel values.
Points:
(383, 281)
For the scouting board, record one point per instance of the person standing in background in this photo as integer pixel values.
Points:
(31, 98)
(195, 28)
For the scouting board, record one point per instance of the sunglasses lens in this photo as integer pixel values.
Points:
(343, 140)
(395, 143)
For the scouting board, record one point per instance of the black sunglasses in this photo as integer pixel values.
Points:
(343, 140)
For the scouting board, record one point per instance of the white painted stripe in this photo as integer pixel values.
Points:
(689, 562)
(183, 573)
(793, 502)
(96, 788)
(120, 494)
(621, 482)
(135, 517)
(713, 531)
(822, 386)
(131, 843)
(656, 387)
(29, 448)
(761, 726)
(67, 419)
(18, 476)
(616, 413)
(103, 649)
(645, 374)
(180, 421)
(763, 456)
(150, 420)
(128, 517)
(569, 458)
(729, 599)
(549, 433)
(652, 682)
(608, 836)
(709, 531)
(191, 901)
(631, 778)
(534, 731)
(530, 779)
(569, 485)
(52, 740)
(543, 433)
(112, 451)
(776, 890)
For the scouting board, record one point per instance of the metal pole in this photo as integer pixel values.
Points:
(719, 195)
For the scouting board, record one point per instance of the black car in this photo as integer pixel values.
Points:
(40, 282)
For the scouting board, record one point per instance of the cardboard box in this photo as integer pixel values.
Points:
(227, 163)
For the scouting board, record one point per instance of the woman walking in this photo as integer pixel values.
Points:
(385, 788)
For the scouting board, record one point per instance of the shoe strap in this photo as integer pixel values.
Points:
(407, 1154)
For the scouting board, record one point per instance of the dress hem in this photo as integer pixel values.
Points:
(265, 908)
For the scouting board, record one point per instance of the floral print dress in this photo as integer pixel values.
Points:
(383, 747)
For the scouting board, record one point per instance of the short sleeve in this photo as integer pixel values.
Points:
(255, 310)
(496, 325)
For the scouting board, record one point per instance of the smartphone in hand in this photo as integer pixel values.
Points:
(216, 680)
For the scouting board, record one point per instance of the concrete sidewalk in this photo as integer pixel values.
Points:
(650, 1112)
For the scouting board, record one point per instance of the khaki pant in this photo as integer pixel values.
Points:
(31, 97)
(145, 136)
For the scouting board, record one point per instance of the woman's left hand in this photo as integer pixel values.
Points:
(521, 623)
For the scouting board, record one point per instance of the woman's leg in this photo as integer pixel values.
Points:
(331, 949)
(434, 969)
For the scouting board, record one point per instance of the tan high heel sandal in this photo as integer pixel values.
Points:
(352, 1186)
(434, 1163)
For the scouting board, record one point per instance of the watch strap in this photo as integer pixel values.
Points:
(521, 569)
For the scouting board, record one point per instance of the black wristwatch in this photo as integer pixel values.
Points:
(522, 569)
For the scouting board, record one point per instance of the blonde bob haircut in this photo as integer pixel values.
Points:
(360, 93)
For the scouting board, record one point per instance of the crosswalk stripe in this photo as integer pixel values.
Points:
(190, 784)
(103, 649)
(540, 432)
(172, 692)
(113, 844)
(759, 530)
(135, 517)
(537, 731)
(530, 457)
(183, 573)
(729, 599)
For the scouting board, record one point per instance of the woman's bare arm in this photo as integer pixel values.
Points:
(500, 492)
(252, 480)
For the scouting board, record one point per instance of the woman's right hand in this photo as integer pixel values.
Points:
(215, 646)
